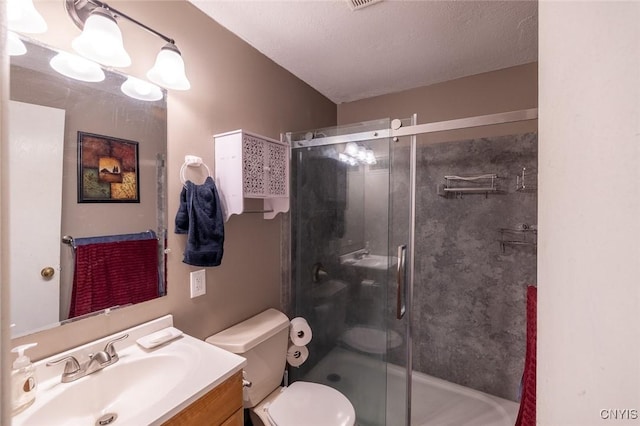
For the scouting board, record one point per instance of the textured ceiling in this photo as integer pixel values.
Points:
(384, 48)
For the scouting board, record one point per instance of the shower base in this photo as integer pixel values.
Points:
(370, 339)
(366, 381)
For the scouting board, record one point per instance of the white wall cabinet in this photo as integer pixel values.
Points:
(251, 166)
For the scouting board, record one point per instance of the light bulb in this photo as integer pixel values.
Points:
(370, 157)
(23, 17)
(15, 46)
(351, 149)
(101, 40)
(168, 70)
(362, 154)
(141, 90)
(343, 157)
(76, 67)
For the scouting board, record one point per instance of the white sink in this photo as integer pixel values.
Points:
(145, 387)
(372, 261)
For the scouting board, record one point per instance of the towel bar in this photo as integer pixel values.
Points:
(192, 161)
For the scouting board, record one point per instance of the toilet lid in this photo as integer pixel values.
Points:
(311, 404)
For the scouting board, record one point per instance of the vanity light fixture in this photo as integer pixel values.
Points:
(347, 159)
(355, 154)
(141, 89)
(77, 67)
(101, 41)
(15, 46)
(168, 70)
(362, 154)
(23, 17)
(371, 157)
(351, 149)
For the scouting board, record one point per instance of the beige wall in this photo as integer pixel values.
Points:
(5, 389)
(589, 210)
(504, 90)
(233, 86)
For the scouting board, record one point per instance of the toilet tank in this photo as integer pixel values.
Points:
(262, 340)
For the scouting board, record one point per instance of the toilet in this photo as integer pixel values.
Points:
(263, 341)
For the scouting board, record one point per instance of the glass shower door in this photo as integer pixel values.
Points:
(399, 341)
(344, 274)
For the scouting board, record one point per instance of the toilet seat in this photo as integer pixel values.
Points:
(311, 404)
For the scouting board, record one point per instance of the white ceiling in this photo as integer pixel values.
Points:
(386, 47)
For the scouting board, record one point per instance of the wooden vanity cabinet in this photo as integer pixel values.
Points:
(221, 406)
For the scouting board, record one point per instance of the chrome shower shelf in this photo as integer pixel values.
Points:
(524, 235)
(458, 185)
(527, 180)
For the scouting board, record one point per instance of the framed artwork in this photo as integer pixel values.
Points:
(107, 169)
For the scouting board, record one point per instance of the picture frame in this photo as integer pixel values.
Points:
(108, 169)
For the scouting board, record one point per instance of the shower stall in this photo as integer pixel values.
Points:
(410, 259)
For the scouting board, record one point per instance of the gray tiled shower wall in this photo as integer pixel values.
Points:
(469, 299)
(469, 296)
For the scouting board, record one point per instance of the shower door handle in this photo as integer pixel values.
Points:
(401, 292)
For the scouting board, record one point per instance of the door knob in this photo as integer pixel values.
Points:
(47, 272)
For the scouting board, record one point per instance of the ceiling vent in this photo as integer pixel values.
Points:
(361, 4)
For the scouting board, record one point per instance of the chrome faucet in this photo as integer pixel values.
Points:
(73, 370)
(361, 254)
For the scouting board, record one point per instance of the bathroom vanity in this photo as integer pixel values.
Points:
(152, 375)
(220, 406)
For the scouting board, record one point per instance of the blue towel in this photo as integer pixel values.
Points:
(147, 235)
(200, 217)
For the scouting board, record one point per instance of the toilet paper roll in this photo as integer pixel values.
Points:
(297, 355)
(300, 332)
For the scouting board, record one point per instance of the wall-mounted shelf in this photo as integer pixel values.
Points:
(522, 235)
(250, 166)
(459, 185)
(527, 180)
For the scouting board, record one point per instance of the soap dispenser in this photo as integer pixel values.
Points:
(23, 380)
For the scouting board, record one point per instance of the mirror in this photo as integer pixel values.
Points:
(354, 215)
(360, 211)
(85, 160)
